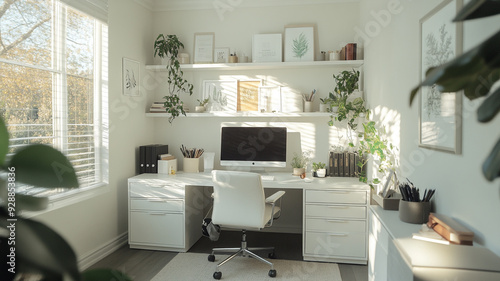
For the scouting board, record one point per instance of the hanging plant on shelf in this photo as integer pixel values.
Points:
(169, 47)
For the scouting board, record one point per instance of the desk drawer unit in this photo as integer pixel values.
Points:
(335, 226)
(159, 217)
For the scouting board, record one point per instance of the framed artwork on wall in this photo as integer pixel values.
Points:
(131, 82)
(440, 114)
(299, 43)
(270, 98)
(222, 95)
(204, 47)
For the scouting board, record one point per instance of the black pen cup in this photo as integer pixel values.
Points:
(414, 212)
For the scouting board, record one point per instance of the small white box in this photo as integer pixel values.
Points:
(168, 167)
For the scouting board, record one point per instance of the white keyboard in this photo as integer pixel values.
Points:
(267, 178)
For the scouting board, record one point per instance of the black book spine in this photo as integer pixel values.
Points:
(341, 164)
(142, 159)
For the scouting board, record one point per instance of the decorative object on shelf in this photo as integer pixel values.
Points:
(270, 98)
(169, 46)
(191, 159)
(299, 163)
(233, 58)
(267, 48)
(204, 47)
(412, 208)
(201, 105)
(183, 58)
(223, 94)
(131, 78)
(461, 74)
(299, 42)
(440, 126)
(319, 169)
(346, 84)
(350, 51)
(221, 55)
(308, 100)
(208, 161)
(248, 95)
(334, 55)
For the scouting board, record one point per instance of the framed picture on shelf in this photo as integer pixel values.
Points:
(270, 98)
(204, 47)
(248, 95)
(221, 55)
(267, 48)
(222, 95)
(131, 77)
(440, 114)
(299, 42)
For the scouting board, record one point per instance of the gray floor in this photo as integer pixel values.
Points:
(142, 265)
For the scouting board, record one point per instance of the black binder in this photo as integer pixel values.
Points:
(148, 157)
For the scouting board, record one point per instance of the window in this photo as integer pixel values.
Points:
(53, 81)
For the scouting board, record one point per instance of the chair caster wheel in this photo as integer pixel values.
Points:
(272, 273)
(211, 258)
(218, 275)
(271, 255)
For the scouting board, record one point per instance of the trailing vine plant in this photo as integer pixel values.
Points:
(169, 47)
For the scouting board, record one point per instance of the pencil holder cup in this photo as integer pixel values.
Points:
(307, 106)
(414, 212)
(191, 165)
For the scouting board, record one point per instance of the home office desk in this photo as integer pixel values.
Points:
(166, 211)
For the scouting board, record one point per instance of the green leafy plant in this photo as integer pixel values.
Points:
(373, 143)
(203, 102)
(474, 72)
(169, 47)
(318, 166)
(300, 161)
(346, 84)
(36, 248)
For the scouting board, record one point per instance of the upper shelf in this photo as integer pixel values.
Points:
(244, 114)
(260, 65)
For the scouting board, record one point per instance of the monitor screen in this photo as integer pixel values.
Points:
(253, 146)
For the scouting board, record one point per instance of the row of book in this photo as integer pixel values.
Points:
(148, 157)
(349, 52)
(343, 164)
(157, 106)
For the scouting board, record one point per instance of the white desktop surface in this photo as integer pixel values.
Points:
(281, 180)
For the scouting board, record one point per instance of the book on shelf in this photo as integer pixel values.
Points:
(341, 164)
(347, 169)
(330, 163)
(352, 164)
(350, 51)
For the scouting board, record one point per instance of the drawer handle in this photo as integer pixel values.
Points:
(338, 234)
(339, 207)
(156, 200)
(338, 221)
(157, 213)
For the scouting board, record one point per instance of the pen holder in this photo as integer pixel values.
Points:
(191, 165)
(414, 212)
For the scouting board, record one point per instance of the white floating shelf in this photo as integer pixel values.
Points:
(244, 114)
(260, 65)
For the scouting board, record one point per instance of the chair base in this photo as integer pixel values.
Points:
(242, 251)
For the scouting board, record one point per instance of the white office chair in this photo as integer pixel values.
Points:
(239, 202)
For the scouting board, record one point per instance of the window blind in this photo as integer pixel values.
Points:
(94, 8)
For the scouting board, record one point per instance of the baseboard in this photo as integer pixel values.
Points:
(91, 258)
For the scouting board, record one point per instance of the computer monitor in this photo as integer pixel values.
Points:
(253, 146)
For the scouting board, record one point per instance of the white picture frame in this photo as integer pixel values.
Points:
(222, 95)
(267, 48)
(299, 43)
(204, 43)
(270, 98)
(221, 55)
(131, 77)
(440, 114)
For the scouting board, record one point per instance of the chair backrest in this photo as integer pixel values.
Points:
(239, 200)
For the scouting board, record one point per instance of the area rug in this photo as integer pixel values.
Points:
(195, 266)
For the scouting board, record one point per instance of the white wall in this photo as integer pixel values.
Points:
(392, 70)
(93, 223)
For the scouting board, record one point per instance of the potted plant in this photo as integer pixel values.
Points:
(299, 163)
(169, 47)
(319, 169)
(201, 105)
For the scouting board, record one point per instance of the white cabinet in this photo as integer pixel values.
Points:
(335, 224)
(163, 216)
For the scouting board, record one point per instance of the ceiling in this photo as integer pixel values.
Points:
(172, 5)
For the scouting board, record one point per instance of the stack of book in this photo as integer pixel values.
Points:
(344, 164)
(157, 107)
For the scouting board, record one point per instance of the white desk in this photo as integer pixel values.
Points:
(165, 213)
